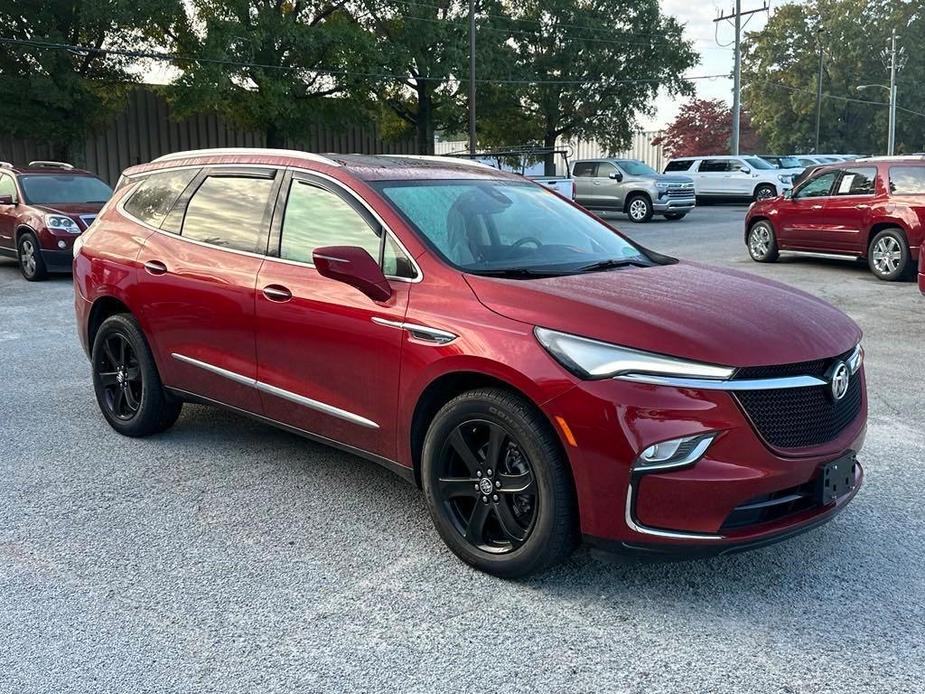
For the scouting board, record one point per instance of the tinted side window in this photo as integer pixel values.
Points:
(907, 180)
(684, 165)
(229, 211)
(714, 166)
(818, 187)
(157, 193)
(604, 169)
(315, 217)
(8, 187)
(858, 182)
(584, 168)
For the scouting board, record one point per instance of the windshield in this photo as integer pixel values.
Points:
(62, 189)
(757, 163)
(493, 227)
(790, 163)
(637, 168)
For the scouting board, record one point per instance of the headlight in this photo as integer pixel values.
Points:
(58, 222)
(661, 186)
(590, 359)
(785, 179)
(675, 453)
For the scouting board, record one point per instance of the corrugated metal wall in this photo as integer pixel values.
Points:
(641, 148)
(144, 131)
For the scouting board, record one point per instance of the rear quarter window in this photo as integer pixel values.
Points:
(684, 165)
(157, 193)
(907, 180)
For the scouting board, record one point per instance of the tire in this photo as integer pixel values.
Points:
(522, 519)
(639, 209)
(762, 242)
(29, 254)
(765, 192)
(889, 257)
(128, 387)
(675, 216)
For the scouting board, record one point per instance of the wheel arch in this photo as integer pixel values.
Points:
(765, 184)
(449, 385)
(754, 220)
(21, 229)
(883, 226)
(635, 194)
(103, 308)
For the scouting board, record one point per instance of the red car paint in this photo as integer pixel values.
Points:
(334, 344)
(844, 224)
(21, 215)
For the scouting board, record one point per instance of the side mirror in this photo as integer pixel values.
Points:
(354, 266)
(7, 200)
(615, 176)
(745, 169)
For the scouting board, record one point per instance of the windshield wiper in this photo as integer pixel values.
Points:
(611, 263)
(518, 273)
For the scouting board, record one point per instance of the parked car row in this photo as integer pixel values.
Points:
(867, 209)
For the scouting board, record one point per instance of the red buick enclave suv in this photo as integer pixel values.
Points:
(44, 207)
(871, 209)
(542, 377)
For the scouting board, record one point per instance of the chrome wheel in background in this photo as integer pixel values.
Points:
(762, 244)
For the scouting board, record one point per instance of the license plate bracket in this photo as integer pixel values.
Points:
(836, 479)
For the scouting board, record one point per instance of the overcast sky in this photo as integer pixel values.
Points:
(698, 16)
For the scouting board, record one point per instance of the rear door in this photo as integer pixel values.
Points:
(847, 214)
(801, 222)
(583, 174)
(711, 177)
(328, 354)
(197, 285)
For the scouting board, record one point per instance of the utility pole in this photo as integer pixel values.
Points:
(819, 90)
(736, 18)
(472, 142)
(891, 137)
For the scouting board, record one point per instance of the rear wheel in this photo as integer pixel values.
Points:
(639, 209)
(674, 216)
(889, 257)
(762, 243)
(31, 264)
(128, 388)
(765, 192)
(497, 484)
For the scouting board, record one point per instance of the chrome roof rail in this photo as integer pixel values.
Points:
(440, 158)
(41, 163)
(244, 151)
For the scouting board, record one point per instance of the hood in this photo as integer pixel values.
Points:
(687, 310)
(673, 179)
(70, 209)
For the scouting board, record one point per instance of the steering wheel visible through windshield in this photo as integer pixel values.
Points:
(507, 227)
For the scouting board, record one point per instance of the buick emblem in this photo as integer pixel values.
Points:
(839, 380)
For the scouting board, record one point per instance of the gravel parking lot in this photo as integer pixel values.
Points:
(225, 555)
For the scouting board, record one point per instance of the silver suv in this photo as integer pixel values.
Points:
(630, 186)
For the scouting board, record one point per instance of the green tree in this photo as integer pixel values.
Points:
(275, 66)
(781, 66)
(57, 95)
(588, 69)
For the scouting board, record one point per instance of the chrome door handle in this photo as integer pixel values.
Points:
(816, 207)
(862, 207)
(155, 267)
(277, 293)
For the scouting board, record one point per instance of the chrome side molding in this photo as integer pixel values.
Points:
(419, 332)
(311, 404)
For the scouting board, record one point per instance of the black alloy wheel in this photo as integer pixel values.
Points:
(120, 377)
(486, 486)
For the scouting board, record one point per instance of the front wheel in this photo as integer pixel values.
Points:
(497, 484)
(639, 209)
(762, 243)
(31, 263)
(128, 387)
(765, 192)
(889, 256)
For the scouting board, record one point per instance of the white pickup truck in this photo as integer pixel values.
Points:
(528, 162)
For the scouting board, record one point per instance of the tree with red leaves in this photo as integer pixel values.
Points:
(704, 126)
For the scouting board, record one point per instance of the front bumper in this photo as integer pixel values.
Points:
(58, 260)
(691, 508)
(674, 204)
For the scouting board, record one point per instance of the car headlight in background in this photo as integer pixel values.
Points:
(785, 179)
(591, 359)
(675, 453)
(59, 222)
(661, 186)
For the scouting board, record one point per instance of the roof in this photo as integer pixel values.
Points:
(43, 170)
(886, 160)
(716, 156)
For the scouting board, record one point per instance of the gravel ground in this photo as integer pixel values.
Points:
(227, 556)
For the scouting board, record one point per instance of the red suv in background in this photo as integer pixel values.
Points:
(43, 207)
(538, 374)
(868, 208)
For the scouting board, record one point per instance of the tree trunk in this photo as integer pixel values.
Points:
(549, 142)
(275, 138)
(424, 127)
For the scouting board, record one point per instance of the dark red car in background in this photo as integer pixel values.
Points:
(539, 375)
(869, 208)
(43, 207)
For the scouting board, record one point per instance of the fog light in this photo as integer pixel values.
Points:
(62, 244)
(674, 453)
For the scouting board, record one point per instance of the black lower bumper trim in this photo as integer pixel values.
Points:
(58, 261)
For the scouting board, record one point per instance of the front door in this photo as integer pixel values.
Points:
(610, 189)
(197, 288)
(327, 364)
(802, 222)
(8, 214)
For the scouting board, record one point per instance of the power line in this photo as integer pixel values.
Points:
(836, 97)
(174, 58)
